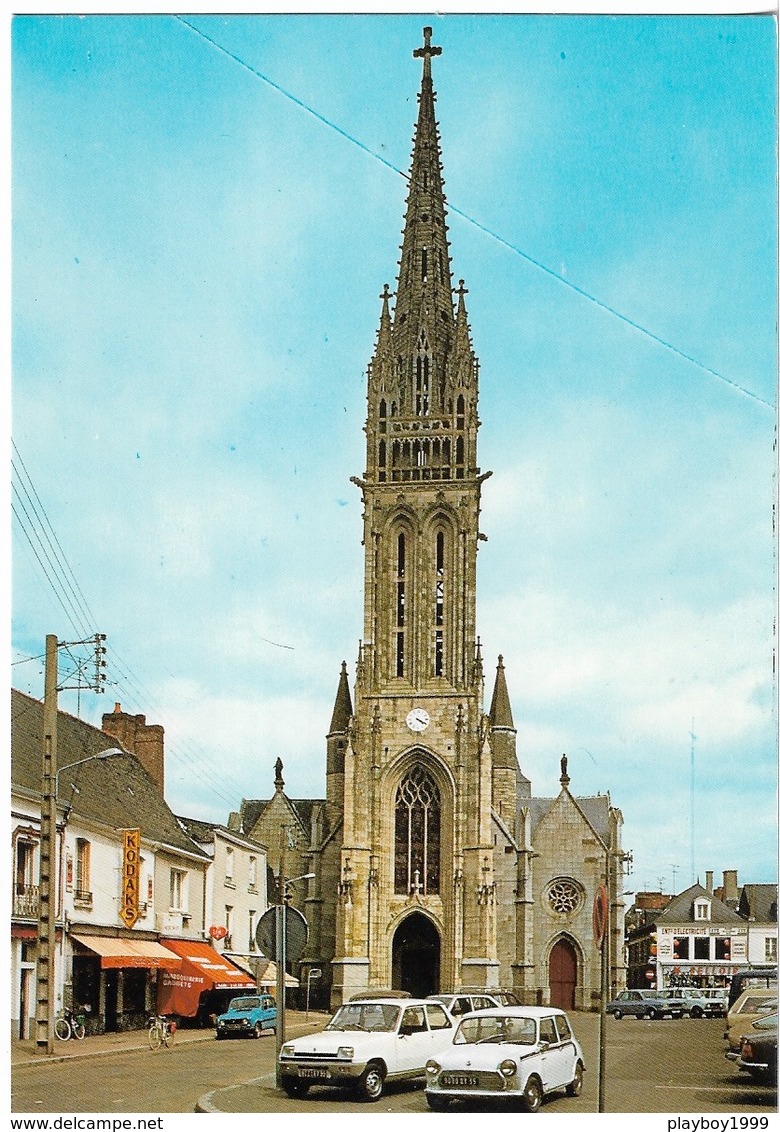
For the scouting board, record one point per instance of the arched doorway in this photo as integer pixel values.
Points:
(563, 975)
(416, 955)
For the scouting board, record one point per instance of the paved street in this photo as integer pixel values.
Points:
(667, 1066)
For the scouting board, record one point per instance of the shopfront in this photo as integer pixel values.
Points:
(202, 986)
(114, 980)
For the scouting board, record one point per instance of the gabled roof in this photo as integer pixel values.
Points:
(595, 810)
(758, 902)
(252, 809)
(203, 832)
(680, 908)
(115, 792)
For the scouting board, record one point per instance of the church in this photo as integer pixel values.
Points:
(434, 865)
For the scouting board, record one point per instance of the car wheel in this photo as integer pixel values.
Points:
(697, 1012)
(372, 1083)
(574, 1088)
(618, 1013)
(257, 1030)
(295, 1088)
(532, 1094)
(653, 1013)
(437, 1103)
(219, 1036)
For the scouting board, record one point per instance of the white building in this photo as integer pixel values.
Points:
(100, 963)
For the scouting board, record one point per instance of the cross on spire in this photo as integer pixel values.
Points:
(426, 51)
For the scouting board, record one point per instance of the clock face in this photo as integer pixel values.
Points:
(417, 719)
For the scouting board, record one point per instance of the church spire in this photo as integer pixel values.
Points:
(500, 707)
(342, 709)
(423, 320)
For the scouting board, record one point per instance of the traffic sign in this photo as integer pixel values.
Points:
(297, 933)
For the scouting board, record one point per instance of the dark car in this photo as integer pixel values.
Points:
(645, 1004)
(758, 1050)
(247, 1017)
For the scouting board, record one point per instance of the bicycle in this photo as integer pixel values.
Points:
(161, 1031)
(70, 1025)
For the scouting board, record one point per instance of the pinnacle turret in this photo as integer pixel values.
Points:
(342, 709)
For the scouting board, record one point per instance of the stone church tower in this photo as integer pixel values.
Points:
(427, 851)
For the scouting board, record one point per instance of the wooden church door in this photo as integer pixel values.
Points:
(563, 975)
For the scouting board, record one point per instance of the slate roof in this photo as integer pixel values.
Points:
(203, 832)
(252, 810)
(595, 808)
(759, 901)
(115, 792)
(679, 910)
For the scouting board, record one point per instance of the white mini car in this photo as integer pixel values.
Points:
(513, 1053)
(367, 1042)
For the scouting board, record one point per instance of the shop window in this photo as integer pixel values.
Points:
(701, 947)
(722, 947)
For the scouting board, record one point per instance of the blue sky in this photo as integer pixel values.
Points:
(197, 262)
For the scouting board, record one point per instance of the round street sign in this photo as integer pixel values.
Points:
(297, 933)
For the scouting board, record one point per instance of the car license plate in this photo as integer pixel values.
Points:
(460, 1080)
(303, 1072)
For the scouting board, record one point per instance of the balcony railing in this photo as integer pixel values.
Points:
(82, 898)
(26, 901)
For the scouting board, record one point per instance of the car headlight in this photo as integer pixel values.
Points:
(508, 1068)
(432, 1068)
(288, 1051)
(345, 1053)
(244, 1021)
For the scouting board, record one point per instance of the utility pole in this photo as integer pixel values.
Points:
(47, 876)
(281, 952)
(47, 886)
(693, 804)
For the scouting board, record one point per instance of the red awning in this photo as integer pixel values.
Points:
(202, 969)
(114, 951)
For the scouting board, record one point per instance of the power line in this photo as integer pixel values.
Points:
(587, 295)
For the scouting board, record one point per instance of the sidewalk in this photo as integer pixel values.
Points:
(25, 1053)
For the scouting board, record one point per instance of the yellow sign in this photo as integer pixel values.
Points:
(131, 876)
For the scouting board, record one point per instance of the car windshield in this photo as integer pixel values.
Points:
(494, 1029)
(244, 1003)
(368, 1016)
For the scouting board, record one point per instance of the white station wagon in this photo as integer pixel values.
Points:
(513, 1053)
(366, 1043)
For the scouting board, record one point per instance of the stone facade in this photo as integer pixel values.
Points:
(434, 865)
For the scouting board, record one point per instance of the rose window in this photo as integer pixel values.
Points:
(564, 895)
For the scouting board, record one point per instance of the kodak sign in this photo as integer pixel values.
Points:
(131, 876)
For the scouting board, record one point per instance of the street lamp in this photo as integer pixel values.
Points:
(46, 889)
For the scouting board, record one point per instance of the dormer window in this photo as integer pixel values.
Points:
(702, 910)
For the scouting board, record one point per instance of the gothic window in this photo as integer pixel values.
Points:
(382, 459)
(461, 413)
(400, 603)
(424, 264)
(438, 665)
(417, 833)
(423, 377)
(564, 895)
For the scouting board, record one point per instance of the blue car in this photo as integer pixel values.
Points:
(247, 1017)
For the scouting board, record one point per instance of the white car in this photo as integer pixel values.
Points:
(513, 1053)
(367, 1042)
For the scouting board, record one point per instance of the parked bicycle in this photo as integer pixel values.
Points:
(161, 1031)
(70, 1025)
